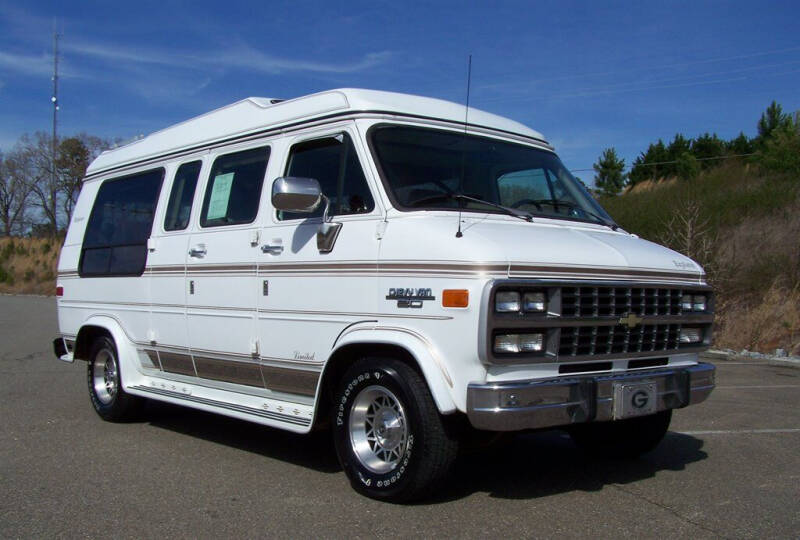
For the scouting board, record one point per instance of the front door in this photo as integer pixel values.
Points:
(307, 297)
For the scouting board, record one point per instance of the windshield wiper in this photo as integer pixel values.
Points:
(508, 210)
(601, 220)
(455, 196)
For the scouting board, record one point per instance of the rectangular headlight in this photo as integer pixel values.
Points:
(691, 335)
(533, 302)
(531, 342)
(699, 302)
(506, 301)
(506, 343)
(518, 343)
(686, 302)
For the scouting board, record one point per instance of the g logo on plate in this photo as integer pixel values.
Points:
(639, 399)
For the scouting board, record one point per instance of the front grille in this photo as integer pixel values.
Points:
(619, 301)
(599, 321)
(618, 339)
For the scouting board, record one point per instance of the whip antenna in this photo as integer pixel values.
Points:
(459, 234)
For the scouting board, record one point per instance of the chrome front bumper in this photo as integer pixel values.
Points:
(518, 405)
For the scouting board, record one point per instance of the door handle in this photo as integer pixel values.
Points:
(272, 249)
(198, 251)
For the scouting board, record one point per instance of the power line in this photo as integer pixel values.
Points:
(670, 162)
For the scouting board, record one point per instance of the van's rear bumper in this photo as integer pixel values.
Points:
(518, 405)
(63, 348)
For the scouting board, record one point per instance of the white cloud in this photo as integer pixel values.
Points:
(241, 56)
(27, 64)
(248, 58)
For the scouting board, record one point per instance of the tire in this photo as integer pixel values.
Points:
(389, 436)
(109, 399)
(622, 439)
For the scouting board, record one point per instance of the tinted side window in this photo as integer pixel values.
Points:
(181, 196)
(115, 242)
(234, 188)
(334, 163)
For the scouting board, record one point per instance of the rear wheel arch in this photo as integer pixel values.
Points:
(85, 339)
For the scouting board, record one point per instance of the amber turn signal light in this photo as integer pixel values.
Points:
(455, 298)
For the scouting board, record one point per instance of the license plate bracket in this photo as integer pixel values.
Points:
(634, 399)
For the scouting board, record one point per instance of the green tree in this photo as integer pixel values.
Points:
(609, 177)
(687, 166)
(676, 148)
(772, 119)
(649, 164)
(740, 145)
(706, 147)
(781, 151)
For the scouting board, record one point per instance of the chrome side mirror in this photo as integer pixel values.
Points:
(294, 194)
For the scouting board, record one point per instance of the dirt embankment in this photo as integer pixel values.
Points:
(28, 265)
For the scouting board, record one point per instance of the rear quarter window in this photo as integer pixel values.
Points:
(115, 241)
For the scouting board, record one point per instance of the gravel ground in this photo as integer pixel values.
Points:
(729, 468)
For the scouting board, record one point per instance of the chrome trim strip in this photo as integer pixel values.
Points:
(290, 380)
(423, 268)
(224, 405)
(232, 371)
(177, 363)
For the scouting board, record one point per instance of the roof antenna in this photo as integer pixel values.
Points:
(459, 234)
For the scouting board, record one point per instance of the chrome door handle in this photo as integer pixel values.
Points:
(198, 251)
(272, 249)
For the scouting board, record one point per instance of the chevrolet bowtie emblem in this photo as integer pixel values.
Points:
(631, 320)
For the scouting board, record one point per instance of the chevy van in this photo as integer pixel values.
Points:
(404, 271)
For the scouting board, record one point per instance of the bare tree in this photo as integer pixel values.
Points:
(689, 232)
(14, 192)
(37, 162)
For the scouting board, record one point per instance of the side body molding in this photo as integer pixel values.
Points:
(427, 357)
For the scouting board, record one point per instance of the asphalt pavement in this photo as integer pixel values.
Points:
(729, 467)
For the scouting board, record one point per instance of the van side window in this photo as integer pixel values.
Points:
(334, 163)
(181, 196)
(115, 242)
(234, 188)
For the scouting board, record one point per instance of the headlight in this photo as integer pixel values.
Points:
(518, 343)
(506, 301)
(691, 335)
(699, 302)
(533, 301)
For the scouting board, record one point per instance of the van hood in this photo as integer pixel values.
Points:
(543, 248)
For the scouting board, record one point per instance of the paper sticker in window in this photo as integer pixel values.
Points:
(220, 195)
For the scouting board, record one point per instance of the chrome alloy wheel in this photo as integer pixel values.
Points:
(378, 429)
(104, 376)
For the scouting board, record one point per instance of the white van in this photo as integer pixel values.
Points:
(372, 262)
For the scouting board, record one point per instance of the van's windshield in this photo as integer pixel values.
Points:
(428, 169)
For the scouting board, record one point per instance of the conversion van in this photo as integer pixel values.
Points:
(399, 269)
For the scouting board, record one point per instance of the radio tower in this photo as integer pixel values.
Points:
(54, 99)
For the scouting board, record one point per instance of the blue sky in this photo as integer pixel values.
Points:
(589, 75)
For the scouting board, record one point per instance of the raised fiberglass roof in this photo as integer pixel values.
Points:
(255, 114)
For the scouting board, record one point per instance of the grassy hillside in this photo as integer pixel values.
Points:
(28, 265)
(743, 225)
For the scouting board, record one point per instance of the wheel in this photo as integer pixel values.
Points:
(622, 439)
(110, 401)
(389, 436)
